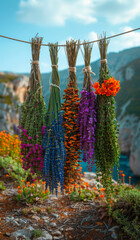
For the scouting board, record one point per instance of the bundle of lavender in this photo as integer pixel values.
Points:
(87, 112)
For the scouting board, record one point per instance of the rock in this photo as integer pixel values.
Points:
(56, 238)
(26, 233)
(7, 234)
(9, 219)
(129, 73)
(15, 223)
(129, 141)
(134, 158)
(46, 221)
(70, 229)
(57, 233)
(113, 228)
(55, 215)
(23, 221)
(46, 236)
(10, 192)
(12, 92)
(66, 214)
(35, 217)
(52, 224)
(114, 235)
(89, 175)
(44, 217)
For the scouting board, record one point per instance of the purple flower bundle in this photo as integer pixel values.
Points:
(87, 123)
(32, 152)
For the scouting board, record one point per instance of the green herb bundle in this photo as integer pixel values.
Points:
(32, 116)
(106, 136)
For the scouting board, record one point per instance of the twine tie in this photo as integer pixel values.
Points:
(72, 69)
(103, 60)
(87, 69)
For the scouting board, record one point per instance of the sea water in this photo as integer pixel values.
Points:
(124, 166)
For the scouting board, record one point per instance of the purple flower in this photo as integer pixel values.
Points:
(29, 137)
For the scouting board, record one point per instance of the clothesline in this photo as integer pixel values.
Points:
(63, 45)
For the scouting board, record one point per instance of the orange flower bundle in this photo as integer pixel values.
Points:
(70, 108)
(108, 87)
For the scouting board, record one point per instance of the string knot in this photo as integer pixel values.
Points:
(87, 69)
(103, 60)
(35, 62)
(72, 69)
(54, 66)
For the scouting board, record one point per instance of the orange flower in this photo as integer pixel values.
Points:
(102, 189)
(7, 175)
(32, 184)
(44, 182)
(109, 87)
(44, 192)
(19, 191)
(23, 186)
(129, 176)
(87, 184)
(19, 187)
(123, 175)
(94, 188)
(101, 196)
(22, 180)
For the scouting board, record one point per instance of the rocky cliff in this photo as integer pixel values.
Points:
(12, 94)
(124, 66)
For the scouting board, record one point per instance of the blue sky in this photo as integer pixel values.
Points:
(60, 20)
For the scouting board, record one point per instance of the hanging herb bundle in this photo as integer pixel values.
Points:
(70, 107)
(53, 141)
(32, 116)
(87, 112)
(106, 135)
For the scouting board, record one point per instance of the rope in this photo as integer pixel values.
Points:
(88, 69)
(103, 61)
(63, 45)
(72, 69)
(35, 62)
(54, 85)
(55, 66)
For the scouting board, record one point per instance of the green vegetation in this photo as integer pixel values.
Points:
(6, 78)
(126, 211)
(2, 187)
(49, 210)
(6, 99)
(15, 170)
(84, 195)
(36, 233)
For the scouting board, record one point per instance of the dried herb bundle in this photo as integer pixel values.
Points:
(70, 107)
(53, 142)
(106, 143)
(87, 112)
(32, 116)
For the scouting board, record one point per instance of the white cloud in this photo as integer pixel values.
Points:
(55, 12)
(92, 36)
(127, 40)
(118, 11)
